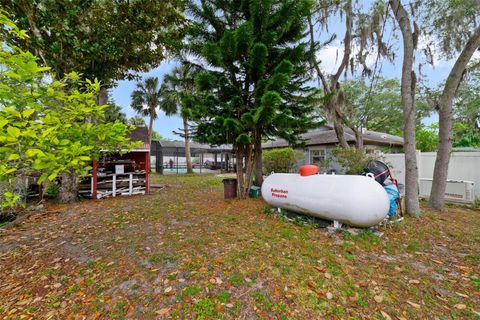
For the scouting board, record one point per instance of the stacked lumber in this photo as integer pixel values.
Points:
(112, 185)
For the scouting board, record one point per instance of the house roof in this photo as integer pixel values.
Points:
(325, 135)
(140, 134)
(177, 148)
(195, 145)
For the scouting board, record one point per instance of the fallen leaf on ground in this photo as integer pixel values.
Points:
(413, 304)
(320, 269)
(386, 315)
(162, 311)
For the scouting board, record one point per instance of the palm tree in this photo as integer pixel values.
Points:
(137, 121)
(146, 101)
(177, 91)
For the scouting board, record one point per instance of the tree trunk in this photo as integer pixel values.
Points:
(150, 126)
(337, 125)
(68, 191)
(249, 163)
(258, 161)
(332, 107)
(103, 96)
(408, 101)
(358, 137)
(239, 159)
(187, 145)
(445, 119)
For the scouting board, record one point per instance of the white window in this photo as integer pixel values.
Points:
(318, 157)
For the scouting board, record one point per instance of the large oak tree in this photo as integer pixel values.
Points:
(106, 40)
(455, 29)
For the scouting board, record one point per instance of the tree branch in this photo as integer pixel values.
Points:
(456, 74)
(314, 61)
(346, 43)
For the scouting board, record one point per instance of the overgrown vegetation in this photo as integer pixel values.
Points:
(353, 160)
(279, 160)
(46, 126)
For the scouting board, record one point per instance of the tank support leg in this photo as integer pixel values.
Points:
(336, 224)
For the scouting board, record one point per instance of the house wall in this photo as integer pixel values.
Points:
(331, 163)
(463, 166)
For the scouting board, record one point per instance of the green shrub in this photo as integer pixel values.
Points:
(352, 159)
(279, 160)
(52, 191)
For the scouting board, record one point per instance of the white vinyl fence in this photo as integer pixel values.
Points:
(463, 166)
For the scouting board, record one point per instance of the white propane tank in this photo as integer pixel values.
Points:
(354, 200)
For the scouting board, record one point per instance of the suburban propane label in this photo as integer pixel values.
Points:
(279, 193)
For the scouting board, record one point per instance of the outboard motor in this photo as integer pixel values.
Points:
(381, 172)
(378, 169)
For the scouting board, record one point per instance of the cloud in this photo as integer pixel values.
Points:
(427, 43)
(331, 56)
(476, 55)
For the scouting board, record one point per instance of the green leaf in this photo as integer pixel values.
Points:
(13, 156)
(12, 111)
(13, 131)
(64, 142)
(27, 113)
(42, 178)
(34, 152)
(52, 176)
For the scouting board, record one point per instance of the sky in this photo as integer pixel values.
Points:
(163, 124)
(330, 57)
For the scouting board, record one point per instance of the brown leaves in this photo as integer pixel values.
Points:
(312, 285)
(169, 291)
(224, 253)
(163, 311)
(413, 304)
(385, 315)
(320, 269)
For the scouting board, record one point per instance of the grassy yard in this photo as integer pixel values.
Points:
(185, 253)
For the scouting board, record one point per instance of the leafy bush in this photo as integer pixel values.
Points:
(352, 159)
(427, 138)
(52, 191)
(47, 126)
(279, 160)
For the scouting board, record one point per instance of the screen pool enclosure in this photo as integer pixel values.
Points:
(169, 157)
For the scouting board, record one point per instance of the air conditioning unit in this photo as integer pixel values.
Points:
(457, 190)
